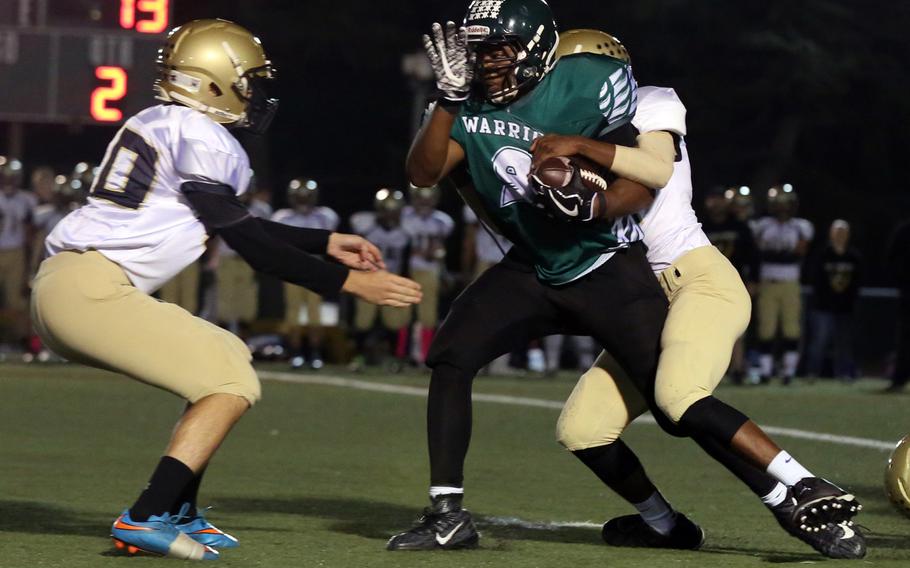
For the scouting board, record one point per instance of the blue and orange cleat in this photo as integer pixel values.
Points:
(204, 532)
(160, 536)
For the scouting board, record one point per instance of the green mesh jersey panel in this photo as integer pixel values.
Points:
(587, 95)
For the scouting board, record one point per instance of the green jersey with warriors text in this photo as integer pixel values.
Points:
(584, 94)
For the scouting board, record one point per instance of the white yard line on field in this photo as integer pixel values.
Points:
(539, 526)
(357, 384)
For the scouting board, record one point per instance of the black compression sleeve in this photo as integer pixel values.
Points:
(314, 241)
(222, 213)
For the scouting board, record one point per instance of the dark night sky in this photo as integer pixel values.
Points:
(813, 92)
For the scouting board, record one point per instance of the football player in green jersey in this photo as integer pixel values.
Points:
(500, 92)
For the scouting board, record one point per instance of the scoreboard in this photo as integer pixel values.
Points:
(79, 61)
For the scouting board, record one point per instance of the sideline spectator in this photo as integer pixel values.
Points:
(835, 286)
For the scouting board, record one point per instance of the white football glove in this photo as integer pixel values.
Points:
(451, 61)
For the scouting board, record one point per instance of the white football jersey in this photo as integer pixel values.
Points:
(670, 224)
(16, 211)
(136, 214)
(316, 218)
(781, 236)
(424, 228)
(392, 242)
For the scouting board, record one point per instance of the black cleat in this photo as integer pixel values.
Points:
(819, 502)
(633, 531)
(831, 538)
(444, 525)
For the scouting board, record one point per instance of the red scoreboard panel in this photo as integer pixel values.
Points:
(79, 61)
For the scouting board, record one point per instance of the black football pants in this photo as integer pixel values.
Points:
(620, 304)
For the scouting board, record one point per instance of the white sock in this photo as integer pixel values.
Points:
(791, 361)
(766, 364)
(659, 515)
(437, 490)
(786, 469)
(776, 496)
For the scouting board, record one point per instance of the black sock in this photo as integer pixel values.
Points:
(448, 424)
(189, 495)
(167, 483)
(620, 470)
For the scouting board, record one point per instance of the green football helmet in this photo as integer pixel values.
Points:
(526, 30)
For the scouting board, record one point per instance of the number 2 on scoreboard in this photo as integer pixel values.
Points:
(104, 95)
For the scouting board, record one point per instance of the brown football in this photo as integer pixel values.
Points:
(558, 172)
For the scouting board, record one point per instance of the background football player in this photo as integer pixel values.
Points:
(709, 309)
(382, 227)
(170, 177)
(783, 242)
(428, 228)
(17, 208)
(583, 278)
(304, 212)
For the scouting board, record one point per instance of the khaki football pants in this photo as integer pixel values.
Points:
(295, 298)
(779, 303)
(86, 310)
(428, 308)
(237, 290)
(183, 289)
(709, 309)
(392, 318)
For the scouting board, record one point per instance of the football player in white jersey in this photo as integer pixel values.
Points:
(170, 178)
(709, 309)
(783, 242)
(304, 212)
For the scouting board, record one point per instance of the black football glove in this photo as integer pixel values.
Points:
(574, 202)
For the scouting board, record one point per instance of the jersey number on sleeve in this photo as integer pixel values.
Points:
(127, 174)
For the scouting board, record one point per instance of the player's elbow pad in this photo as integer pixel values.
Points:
(650, 163)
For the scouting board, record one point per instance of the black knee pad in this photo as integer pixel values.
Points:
(667, 425)
(613, 463)
(790, 344)
(711, 417)
(766, 346)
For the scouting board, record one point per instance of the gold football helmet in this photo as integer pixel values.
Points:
(424, 197)
(591, 41)
(388, 200)
(303, 192)
(219, 68)
(897, 477)
(10, 172)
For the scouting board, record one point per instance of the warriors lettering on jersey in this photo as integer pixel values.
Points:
(136, 214)
(481, 125)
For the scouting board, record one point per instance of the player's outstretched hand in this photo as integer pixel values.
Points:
(355, 252)
(451, 60)
(383, 288)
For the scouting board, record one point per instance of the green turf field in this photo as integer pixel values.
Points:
(322, 475)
